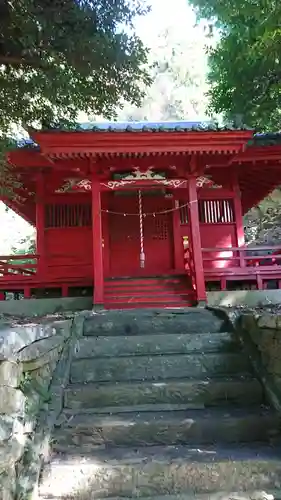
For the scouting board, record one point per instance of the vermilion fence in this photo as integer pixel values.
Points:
(17, 266)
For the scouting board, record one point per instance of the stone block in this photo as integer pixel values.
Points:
(268, 320)
(8, 484)
(152, 322)
(167, 427)
(12, 401)
(12, 451)
(158, 367)
(177, 473)
(40, 353)
(10, 426)
(249, 322)
(196, 393)
(14, 338)
(63, 327)
(95, 347)
(10, 373)
(42, 376)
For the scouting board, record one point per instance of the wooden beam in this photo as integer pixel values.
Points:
(177, 239)
(40, 224)
(97, 242)
(196, 240)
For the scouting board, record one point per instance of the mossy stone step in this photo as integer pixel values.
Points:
(143, 322)
(209, 392)
(167, 428)
(160, 367)
(93, 347)
(201, 473)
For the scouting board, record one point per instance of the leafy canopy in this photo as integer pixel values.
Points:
(245, 65)
(59, 57)
(179, 77)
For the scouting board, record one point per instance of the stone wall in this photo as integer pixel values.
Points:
(29, 354)
(260, 333)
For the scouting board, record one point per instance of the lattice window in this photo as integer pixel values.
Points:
(184, 217)
(216, 211)
(63, 215)
(160, 230)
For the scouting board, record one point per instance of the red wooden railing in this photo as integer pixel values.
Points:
(242, 257)
(18, 266)
(258, 264)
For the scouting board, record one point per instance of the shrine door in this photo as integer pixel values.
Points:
(125, 240)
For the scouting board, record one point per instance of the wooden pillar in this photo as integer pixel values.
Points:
(97, 243)
(239, 224)
(178, 252)
(40, 224)
(196, 241)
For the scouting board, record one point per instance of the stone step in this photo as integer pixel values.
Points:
(166, 428)
(208, 392)
(149, 321)
(243, 495)
(175, 470)
(160, 367)
(93, 347)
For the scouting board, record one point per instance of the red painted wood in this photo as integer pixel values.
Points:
(177, 239)
(69, 252)
(215, 194)
(143, 184)
(124, 234)
(149, 292)
(105, 233)
(222, 238)
(196, 241)
(158, 234)
(144, 142)
(97, 243)
(40, 224)
(240, 236)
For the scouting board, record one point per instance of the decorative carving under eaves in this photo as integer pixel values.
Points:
(75, 185)
(137, 175)
(203, 181)
(117, 184)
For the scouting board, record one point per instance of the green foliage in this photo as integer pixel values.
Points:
(245, 65)
(59, 57)
(178, 70)
(25, 246)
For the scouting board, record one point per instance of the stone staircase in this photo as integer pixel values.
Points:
(162, 404)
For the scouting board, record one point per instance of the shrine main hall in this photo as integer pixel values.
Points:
(141, 214)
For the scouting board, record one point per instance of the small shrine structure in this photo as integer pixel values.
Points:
(141, 214)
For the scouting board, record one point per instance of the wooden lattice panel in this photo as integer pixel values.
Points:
(68, 215)
(160, 231)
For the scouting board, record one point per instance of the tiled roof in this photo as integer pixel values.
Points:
(266, 139)
(162, 126)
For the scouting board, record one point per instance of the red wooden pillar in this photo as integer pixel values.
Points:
(196, 241)
(40, 224)
(97, 243)
(239, 225)
(178, 253)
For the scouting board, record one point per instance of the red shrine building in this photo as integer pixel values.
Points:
(141, 214)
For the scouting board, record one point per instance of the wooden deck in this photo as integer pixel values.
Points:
(225, 268)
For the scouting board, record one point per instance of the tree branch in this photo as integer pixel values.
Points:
(21, 61)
